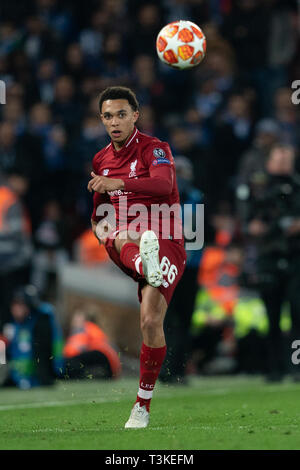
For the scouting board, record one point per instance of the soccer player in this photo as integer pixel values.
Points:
(138, 169)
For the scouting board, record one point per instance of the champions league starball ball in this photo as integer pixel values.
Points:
(181, 44)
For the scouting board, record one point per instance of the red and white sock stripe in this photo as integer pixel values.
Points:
(145, 394)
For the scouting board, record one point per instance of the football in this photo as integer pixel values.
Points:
(181, 44)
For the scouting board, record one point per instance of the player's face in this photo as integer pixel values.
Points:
(119, 119)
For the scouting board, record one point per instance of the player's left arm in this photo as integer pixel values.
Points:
(158, 183)
(161, 172)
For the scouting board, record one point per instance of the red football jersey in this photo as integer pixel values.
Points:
(146, 166)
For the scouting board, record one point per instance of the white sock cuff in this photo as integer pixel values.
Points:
(145, 394)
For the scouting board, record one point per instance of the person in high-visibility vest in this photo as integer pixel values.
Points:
(88, 351)
(15, 247)
(34, 341)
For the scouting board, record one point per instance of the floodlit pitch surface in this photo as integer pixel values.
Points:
(210, 413)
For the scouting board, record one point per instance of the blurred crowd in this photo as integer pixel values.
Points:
(225, 117)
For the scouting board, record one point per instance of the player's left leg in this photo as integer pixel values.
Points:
(141, 255)
(153, 351)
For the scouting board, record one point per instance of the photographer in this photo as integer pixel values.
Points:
(272, 219)
(34, 341)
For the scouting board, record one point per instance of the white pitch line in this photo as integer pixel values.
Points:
(164, 394)
(151, 428)
(55, 403)
(64, 430)
(95, 401)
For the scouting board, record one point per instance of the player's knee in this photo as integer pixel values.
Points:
(123, 238)
(151, 324)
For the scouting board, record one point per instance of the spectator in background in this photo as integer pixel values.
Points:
(88, 352)
(112, 63)
(93, 108)
(208, 98)
(147, 121)
(39, 41)
(287, 116)
(23, 70)
(149, 87)
(218, 44)
(88, 123)
(56, 17)
(251, 179)
(14, 90)
(222, 69)
(149, 20)
(74, 65)
(10, 38)
(13, 112)
(19, 184)
(53, 137)
(34, 341)
(46, 75)
(252, 162)
(66, 107)
(91, 38)
(183, 142)
(50, 251)
(176, 9)
(20, 152)
(232, 136)
(15, 246)
(217, 75)
(281, 48)
(247, 27)
(274, 223)
(87, 144)
(7, 146)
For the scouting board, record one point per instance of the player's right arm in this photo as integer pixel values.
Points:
(100, 226)
(98, 199)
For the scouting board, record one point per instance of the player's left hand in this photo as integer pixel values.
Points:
(101, 184)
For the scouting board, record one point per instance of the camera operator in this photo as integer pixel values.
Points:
(272, 220)
(34, 341)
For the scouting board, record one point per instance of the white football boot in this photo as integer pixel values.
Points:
(149, 249)
(139, 417)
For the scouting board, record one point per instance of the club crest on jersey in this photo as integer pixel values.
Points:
(105, 172)
(159, 153)
(133, 169)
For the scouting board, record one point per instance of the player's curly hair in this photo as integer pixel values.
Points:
(119, 93)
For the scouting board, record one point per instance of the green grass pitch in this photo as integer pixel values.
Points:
(210, 413)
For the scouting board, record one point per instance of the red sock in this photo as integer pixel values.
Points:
(130, 257)
(151, 360)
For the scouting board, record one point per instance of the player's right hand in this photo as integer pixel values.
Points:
(95, 184)
(101, 230)
(101, 184)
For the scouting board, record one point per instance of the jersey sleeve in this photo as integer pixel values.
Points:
(160, 162)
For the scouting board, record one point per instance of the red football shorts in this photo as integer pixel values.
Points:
(172, 257)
